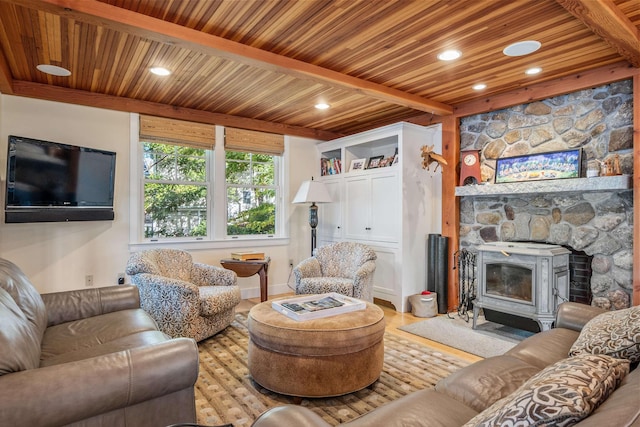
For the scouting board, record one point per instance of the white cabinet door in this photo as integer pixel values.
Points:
(385, 208)
(357, 207)
(372, 207)
(385, 282)
(330, 214)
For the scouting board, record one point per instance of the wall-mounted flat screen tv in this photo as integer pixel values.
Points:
(50, 181)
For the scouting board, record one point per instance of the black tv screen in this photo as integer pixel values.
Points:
(58, 181)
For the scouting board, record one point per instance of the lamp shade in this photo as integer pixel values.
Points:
(312, 192)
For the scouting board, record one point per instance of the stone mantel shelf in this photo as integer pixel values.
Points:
(600, 183)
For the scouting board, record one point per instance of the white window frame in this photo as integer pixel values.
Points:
(216, 202)
(277, 168)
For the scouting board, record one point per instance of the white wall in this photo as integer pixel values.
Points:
(58, 256)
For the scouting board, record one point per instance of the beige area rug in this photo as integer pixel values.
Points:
(487, 340)
(225, 392)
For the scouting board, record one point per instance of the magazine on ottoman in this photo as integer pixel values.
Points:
(309, 307)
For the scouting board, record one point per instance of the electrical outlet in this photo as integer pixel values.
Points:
(88, 280)
(291, 262)
(121, 279)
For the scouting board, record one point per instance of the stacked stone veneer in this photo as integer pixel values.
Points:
(600, 223)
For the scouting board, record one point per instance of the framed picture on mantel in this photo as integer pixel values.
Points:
(540, 166)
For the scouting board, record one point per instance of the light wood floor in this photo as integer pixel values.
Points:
(393, 321)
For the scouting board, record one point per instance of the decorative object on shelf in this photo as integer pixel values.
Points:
(470, 167)
(536, 167)
(357, 164)
(330, 166)
(312, 192)
(611, 166)
(374, 162)
(593, 168)
(429, 157)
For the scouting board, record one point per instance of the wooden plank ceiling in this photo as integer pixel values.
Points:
(263, 64)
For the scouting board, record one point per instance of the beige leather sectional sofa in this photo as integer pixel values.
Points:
(534, 380)
(89, 357)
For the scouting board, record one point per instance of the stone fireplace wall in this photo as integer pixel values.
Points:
(600, 223)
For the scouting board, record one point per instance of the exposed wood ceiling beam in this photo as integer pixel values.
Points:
(604, 18)
(584, 80)
(587, 79)
(98, 13)
(6, 80)
(90, 99)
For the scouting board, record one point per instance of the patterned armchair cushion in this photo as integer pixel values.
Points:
(172, 263)
(616, 333)
(323, 285)
(205, 275)
(343, 259)
(560, 395)
(344, 267)
(217, 299)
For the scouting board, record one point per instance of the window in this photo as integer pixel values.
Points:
(252, 192)
(175, 191)
(192, 189)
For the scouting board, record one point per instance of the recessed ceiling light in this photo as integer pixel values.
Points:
(522, 48)
(533, 70)
(54, 70)
(479, 86)
(322, 106)
(160, 71)
(449, 55)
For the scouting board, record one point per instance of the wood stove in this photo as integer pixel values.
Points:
(526, 280)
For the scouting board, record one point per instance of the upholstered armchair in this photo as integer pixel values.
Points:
(345, 267)
(186, 299)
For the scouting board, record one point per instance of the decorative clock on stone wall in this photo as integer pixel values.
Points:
(470, 167)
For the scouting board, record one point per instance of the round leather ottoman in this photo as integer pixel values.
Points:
(323, 357)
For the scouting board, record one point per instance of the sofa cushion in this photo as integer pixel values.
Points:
(559, 395)
(545, 348)
(420, 408)
(616, 333)
(127, 342)
(13, 280)
(483, 383)
(20, 346)
(94, 331)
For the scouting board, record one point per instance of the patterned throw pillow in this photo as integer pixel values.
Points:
(560, 395)
(616, 333)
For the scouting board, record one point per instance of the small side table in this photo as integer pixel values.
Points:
(249, 268)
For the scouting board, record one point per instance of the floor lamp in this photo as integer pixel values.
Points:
(312, 192)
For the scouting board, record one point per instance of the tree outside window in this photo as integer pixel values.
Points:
(175, 191)
(251, 193)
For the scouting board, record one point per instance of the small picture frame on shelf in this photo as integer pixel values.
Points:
(387, 162)
(374, 162)
(357, 164)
